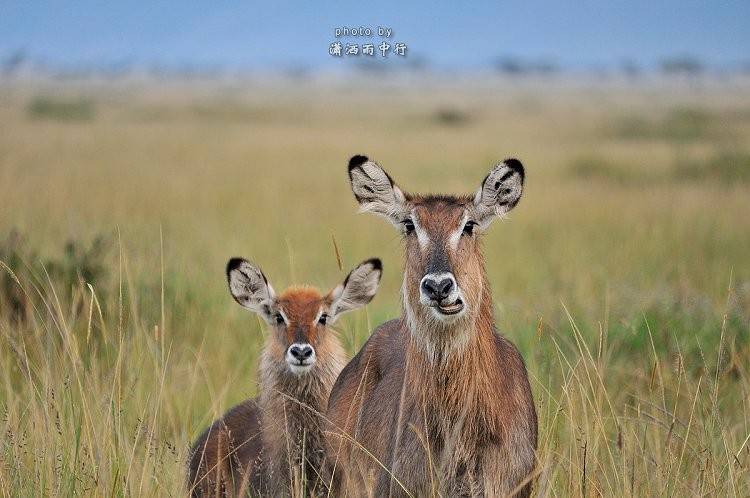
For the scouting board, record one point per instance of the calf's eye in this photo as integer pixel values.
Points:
(469, 228)
(323, 319)
(279, 319)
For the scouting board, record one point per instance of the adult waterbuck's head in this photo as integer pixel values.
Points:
(445, 287)
(298, 317)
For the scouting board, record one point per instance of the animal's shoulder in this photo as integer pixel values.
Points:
(237, 432)
(240, 419)
(508, 353)
(384, 347)
(377, 355)
(245, 413)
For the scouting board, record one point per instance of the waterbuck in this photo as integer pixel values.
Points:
(436, 402)
(273, 445)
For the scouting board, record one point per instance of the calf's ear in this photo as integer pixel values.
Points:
(357, 289)
(250, 288)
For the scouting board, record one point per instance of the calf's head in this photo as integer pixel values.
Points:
(299, 317)
(444, 270)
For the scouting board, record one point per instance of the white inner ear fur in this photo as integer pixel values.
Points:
(376, 194)
(491, 201)
(361, 286)
(249, 288)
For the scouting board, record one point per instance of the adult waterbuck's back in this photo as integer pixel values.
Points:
(436, 401)
(273, 445)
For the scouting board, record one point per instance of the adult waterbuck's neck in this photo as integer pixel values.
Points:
(446, 297)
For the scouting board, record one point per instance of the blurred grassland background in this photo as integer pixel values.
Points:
(623, 275)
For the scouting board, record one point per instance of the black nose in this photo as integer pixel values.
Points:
(302, 352)
(435, 290)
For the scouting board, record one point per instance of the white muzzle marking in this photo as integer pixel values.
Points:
(300, 357)
(446, 308)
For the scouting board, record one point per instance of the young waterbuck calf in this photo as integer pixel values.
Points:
(273, 445)
(436, 401)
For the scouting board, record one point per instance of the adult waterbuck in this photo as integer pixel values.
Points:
(436, 402)
(273, 445)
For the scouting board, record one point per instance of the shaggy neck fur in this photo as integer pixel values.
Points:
(293, 407)
(457, 382)
(459, 357)
(440, 341)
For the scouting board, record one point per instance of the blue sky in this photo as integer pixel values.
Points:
(447, 33)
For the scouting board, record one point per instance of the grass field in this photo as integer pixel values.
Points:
(623, 276)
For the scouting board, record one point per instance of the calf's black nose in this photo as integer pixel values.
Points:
(301, 352)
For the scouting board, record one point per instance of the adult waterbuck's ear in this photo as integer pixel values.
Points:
(500, 192)
(357, 289)
(375, 190)
(250, 288)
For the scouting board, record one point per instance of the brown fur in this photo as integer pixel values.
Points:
(261, 446)
(435, 407)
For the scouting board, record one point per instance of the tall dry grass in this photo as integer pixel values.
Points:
(629, 299)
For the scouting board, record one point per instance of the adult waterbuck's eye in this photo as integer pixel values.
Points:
(323, 319)
(408, 226)
(279, 319)
(469, 228)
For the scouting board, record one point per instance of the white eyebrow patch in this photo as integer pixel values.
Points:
(455, 237)
(317, 317)
(422, 237)
(280, 311)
